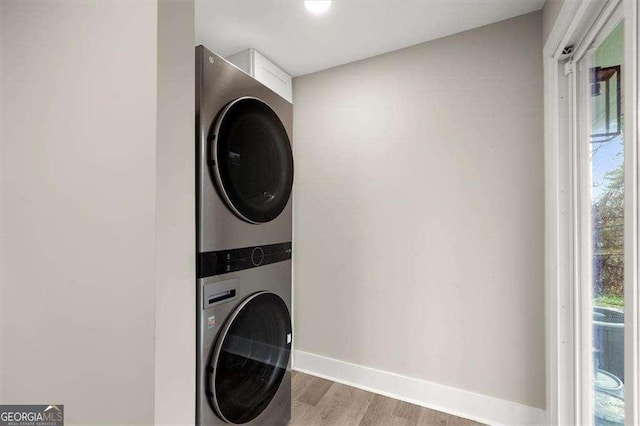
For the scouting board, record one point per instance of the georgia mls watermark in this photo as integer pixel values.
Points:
(31, 415)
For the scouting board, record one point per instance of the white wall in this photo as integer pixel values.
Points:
(419, 212)
(175, 220)
(79, 207)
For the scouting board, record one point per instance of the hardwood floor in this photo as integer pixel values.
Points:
(320, 402)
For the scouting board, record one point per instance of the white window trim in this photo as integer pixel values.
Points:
(632, 257)
(577, 21)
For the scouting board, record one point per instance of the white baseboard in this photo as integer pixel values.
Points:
(470, 405)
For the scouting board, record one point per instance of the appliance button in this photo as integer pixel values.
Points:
(257, 256)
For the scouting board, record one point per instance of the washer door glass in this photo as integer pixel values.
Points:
(252, 161)
(250, 358)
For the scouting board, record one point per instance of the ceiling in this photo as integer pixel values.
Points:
(301, 43)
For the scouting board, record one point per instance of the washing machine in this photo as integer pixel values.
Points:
(244, 362)
(244, 178)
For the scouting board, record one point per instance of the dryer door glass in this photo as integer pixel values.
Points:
(252, 161)
(250, 358)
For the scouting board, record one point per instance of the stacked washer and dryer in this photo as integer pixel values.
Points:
(244, 179)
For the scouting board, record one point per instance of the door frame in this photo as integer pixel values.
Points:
(577, 25)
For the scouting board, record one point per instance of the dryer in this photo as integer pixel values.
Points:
(245, 161)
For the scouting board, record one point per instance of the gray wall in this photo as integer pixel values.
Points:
(175, 382)
(78, 207)
(550, 13)
(419, 211)
(2, 272)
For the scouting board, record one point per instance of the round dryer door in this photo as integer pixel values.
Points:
(250, 358)
(251, 161)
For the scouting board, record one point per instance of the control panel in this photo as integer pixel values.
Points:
(224, 261)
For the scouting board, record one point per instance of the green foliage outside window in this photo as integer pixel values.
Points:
(608, 244)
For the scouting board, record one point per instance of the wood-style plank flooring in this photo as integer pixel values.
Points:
(320, 402)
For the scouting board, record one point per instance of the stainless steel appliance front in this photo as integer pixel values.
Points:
(244, 363)
(244, 175)
(259, 169)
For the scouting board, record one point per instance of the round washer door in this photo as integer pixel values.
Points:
(251, 160)
(250, 358)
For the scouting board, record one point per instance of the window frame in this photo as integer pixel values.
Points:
(577, 25)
